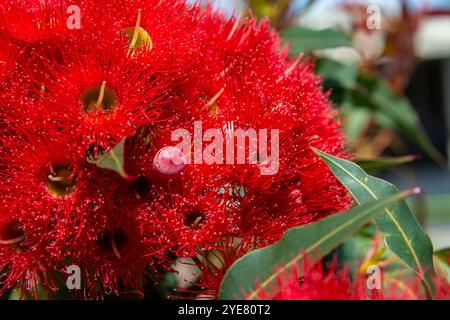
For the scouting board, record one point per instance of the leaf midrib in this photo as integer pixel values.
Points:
(389, 212)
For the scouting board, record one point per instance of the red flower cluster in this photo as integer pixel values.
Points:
(135, 71)
(325, 281)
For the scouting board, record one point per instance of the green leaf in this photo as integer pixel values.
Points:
(354, 249)
(113, 160)
(396, 112)
(344, 75)
(375, 165)
(403, 234)
(313, 241)
(356, 121)
(304, 39)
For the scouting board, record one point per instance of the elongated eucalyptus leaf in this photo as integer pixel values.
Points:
(344, 75)
(403, 234)
(249, 276)
(375, 165)
(396, 112)
(113, 160)
(304, 39)
(356, 121)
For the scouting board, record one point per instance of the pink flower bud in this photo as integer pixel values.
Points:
(169, 161)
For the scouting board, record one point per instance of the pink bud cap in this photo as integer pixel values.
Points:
(169, 161)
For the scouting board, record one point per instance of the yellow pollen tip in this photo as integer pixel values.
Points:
(138, 36)
(136, 29)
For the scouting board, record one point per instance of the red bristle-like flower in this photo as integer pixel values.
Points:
(8, 54)
(109, 246)
(194, 215)
(41, 186)
(267, 91)
(103, 96)
(213, 265)
(57, 212)
(167, 32)
(33, 20)
(316, 281)
(24, 258)
(40, 169)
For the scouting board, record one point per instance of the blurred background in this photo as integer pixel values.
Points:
(387, 66)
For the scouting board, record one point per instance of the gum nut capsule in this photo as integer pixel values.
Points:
(169, 161)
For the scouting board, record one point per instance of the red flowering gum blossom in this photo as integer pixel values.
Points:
(112, 251)
(213, 265)
(8, 53)
(327, 282)
(315, 283)
(138, 70)
(248, 84)
(33, 20)
(194, 215)
(102, 105)
(39, 188)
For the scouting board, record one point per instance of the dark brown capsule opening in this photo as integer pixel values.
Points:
(141, 187)
(113, 243)
(98, 98)
(11, 232)
(60, 180)
(194, 219)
